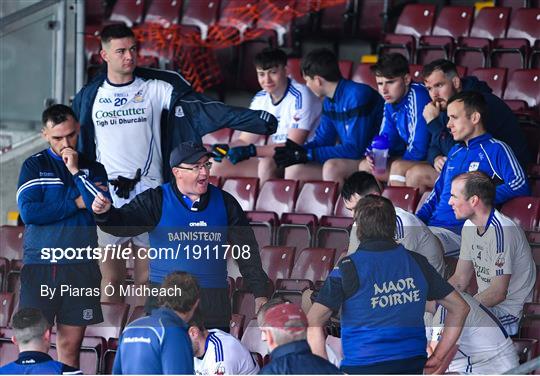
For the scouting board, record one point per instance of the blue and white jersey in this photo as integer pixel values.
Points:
(483, 153)
(37, 363)
(127, 122)
(298, 109)
(225, 355)
(501, 249)
(405, 126)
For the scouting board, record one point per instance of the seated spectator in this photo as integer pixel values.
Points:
(284, 327)
(411, 232)
(494, 248)
(32, 335)
(294, 105)
(484, 345)
(476, 151)
(402, 123)
(352, 114)
(159, 343)
(382, 289)
(217, 352)
(442, 81)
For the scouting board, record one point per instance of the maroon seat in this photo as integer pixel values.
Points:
(6, 308)
(243, 303)
(263, 224)
(341, 210)
(525, 211)
(129, 12)
(524, 84)
(277, 16)
(214, 180)
(247, 77)
(337, 20)
(244, 190)
(530, 322)
(525, 23)
(345, 67)
(404, 197)
(199, 15)
(237, 15)
(277, 261)
(9, 352)
(293, 67)
(313, 264)
(11, 242)
(236, 325)
(165, 13)
(363, 74)
(317, 197)
(526, 348)
(422, 200)
(13, 285)
(296, 230)
(278, 196)
(333, 232)
(115, 316)
(494, 77)
(415, 71)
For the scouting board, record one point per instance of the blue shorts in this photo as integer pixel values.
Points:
(76, 298)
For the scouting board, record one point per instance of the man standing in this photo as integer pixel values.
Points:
(121, 114)
(159, 344)
(32, 335)
(382, 289)
(293, 104)
(494, 248)
(476, 151)
(403, 123)
(442, 81)
(56, 186)
(217, 352)
(352, 114)
(200, 224)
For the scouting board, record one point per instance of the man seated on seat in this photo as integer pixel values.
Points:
(217, 352)
(475, 150)
(32, 335)
(411, 232)
(442, 81)
(159, 343)
(352, 114)
(284, 328)
(494, 248)
(484, 345)
(403, 123)
(293, 104)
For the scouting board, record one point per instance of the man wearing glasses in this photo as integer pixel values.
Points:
(194, 227)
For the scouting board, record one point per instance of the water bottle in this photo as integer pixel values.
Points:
(379, 153)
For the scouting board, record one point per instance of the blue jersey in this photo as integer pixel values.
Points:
(353, 116)
(37, 363)
(156, 344)
(405, 126)
(382, 289)
(46, 200)
(483, 153)
(196, 239)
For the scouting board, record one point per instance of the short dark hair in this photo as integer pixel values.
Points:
(446, 66)
(391, 65)
(360, 182)
(29, 324)
(270, 58)
(472, 101)
(190, 292)
(376, 218)
(478, 183)
(197, 320)
(57, 113)
(115, 31)
(321, 62)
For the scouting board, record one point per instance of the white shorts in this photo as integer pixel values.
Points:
(141, 240)
(451, 242)
(510, 322)
(487, 363)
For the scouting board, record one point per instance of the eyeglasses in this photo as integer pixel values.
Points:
(197, 168)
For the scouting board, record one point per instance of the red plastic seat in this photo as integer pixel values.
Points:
(525, 211)
(247, 77)
(333, 232)
(165, 13)
(313, 264)
(238, 15)
(243, 303)
(9, 352)
(345, 67)
(404, 197)
(317, 197)
(415, 71)
(494, 77)
(337, 20)
(277, 261)
(363, 74)
(129, 12)
(341, 210)
(296, 230)
(244, 190)
(293, 67)
(6, 308)
(278, 196)
(199, 15)
(263, 224)
(524, 84)
(236, 325)
(525, 23)
(13, 285)
(277, 16)
(11, 242)
(526, 348)
(530, 322)
(114, 319)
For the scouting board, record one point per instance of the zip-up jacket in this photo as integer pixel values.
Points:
(353, 117)
(501, 123)
(190, 116)
(483, 153)
(405, 125)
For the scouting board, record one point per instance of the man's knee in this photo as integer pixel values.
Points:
(364, 165)
(419, 175)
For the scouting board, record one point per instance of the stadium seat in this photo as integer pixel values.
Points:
(277, 261)
(296, 230)
(238, 15)
(317, 197)
(252, 338)
(214, 180)
(345, 67)
(277, 16)
(11, 242)
(263, 224)
(452, 22)
(337, 20)
(237, 325)
(415, 70)
(295, 72)
(4, 269)
(6, 308)
(333, 232)
(199, 15)
(109, 355)
(509, 53)
(247, 75)
(114, 319)
(341, 210)
(92, 350)
(94, 12)
(9, 352)
(221, 136)
(530, 322)
(13, 285)
(164, 13)
(278, 196)
(524, 84)
(526, 348)
(398, 43)
(525, 211)
(404, 197)
(244, 190)
(422, 200)
(313, 264)
(536, 291)
(494, 77)
(362, 74)
(525, 23)
(129, 12)
(243, 303)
